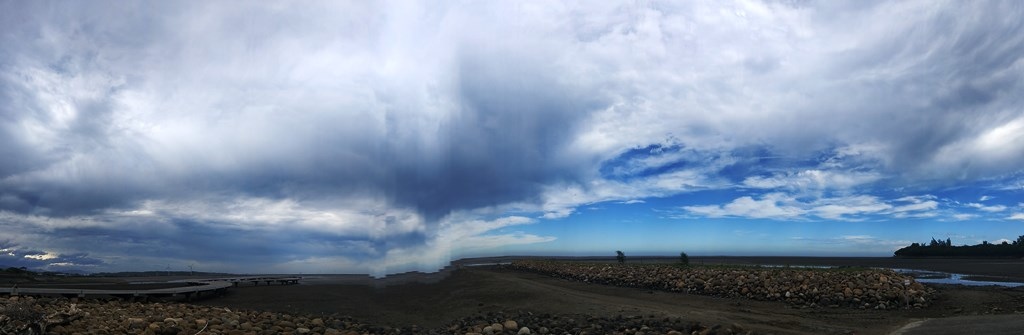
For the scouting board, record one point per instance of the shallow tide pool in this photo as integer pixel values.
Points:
(935, 277)
(923, 276)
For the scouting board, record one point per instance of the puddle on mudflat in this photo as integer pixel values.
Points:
(922, 276)
(936, 277)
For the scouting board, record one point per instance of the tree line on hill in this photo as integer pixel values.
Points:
(25, 272)
(940, 248)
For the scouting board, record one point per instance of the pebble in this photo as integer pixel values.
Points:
(136, 323)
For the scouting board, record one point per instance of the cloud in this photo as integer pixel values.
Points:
(781, 206)
(457, 235)
(770, 206)
(812, 180)
(372, 126)
(985, 198)
(990, 209)
(41, 256)
(860, 242)
(14, 255)
(857, 238)
(964, 216)
(847, 208)
(1016, 216)
(463, 144)
(915, 207)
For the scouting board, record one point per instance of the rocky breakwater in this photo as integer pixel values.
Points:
(24, 316)
(27, 315)
(861, 288)
(530, 323)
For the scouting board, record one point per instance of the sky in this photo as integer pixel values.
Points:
(381, 137)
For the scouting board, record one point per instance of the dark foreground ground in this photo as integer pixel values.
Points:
(493, 289)
(470, 291)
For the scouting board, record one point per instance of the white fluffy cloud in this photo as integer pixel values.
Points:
(770, 206)
(990, 209)
(812, 180)
(783, 206)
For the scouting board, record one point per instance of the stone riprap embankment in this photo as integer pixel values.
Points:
(529, 323)
(27, 315)
(863, 288)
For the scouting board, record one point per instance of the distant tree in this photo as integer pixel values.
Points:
(684, 259)
(620, 256)
(945, 248)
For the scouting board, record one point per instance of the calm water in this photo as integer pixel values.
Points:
(926, 277)
(935, 277)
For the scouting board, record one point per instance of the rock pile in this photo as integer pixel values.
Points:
(62, 316)
(863, 288)
(529, 323)
(25, 315)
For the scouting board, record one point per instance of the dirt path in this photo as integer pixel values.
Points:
(984, 324)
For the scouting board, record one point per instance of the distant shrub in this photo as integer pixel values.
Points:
(620, 256)
(684, 259)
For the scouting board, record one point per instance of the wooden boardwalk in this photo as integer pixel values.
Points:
(196, 288)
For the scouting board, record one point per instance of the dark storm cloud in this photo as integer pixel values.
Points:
(19, 156)
(211, 243)
(504, 142)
